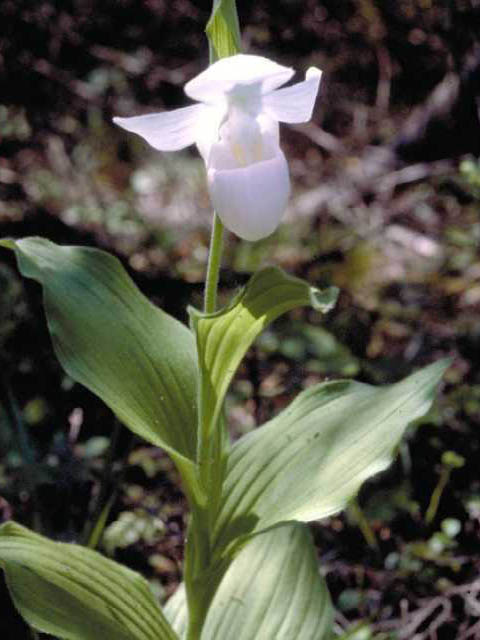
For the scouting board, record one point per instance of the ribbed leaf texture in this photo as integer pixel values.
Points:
(310, 460)
(223, 338)
(139, 360)
(223, 30)
(75, 593)
(273, 590)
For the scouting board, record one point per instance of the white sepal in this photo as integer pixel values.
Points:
(251, 200)
(295, 103)
(169, 130)
(220, 78)
(236, 130)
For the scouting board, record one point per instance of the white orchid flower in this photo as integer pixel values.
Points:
(235, 127)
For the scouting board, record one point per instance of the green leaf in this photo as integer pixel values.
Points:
(140, 361)
(223, 30)
(224, 337)
(311, 459)
(176, 611)
(75, 593)
(273, 591)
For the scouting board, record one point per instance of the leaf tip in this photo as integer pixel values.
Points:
(441, 366)
(194, 315)
(8, 243)
(324, 300)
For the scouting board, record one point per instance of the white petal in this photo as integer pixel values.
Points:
(225, 155)
(220, 78)
(251, 200)
(270, 130)
(208, 126)
(295, 103)
(167, 131)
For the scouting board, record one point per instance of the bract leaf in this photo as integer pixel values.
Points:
(223, 30)
(107, 335)
(311, 459)
(272, 590)
(224, 337)
(75, 593)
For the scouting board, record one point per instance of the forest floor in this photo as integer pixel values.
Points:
(385, 205)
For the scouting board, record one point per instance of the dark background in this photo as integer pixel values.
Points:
(386, 193)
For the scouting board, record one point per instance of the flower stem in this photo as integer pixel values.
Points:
(213, 269)
(198, 544)
(198, 553)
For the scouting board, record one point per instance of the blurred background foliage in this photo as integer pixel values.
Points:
(385, 204)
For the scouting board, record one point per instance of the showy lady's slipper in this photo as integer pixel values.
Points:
(236, 130)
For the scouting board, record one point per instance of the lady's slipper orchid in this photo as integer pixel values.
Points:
(235, 127)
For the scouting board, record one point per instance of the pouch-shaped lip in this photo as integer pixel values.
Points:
(251, 200)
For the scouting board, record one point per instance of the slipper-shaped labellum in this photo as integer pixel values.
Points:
(235, 127)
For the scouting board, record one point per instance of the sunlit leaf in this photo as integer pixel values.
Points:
(139, 360)
(224, 337)
(273, 591)
(74, 593)
(223, 30)
(310, 460)
(176, 611)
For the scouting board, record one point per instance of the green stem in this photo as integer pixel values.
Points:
(197, 561)
(198, 551)
(107, 492)
(205, 454)
(199, 581)
(213, 269)
(363, 524)
(437, 495)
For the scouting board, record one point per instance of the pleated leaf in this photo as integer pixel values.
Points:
(224, 337)
(310, 460)
(273, 591)
(107, 335)
(223, 30)
(75, 593)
